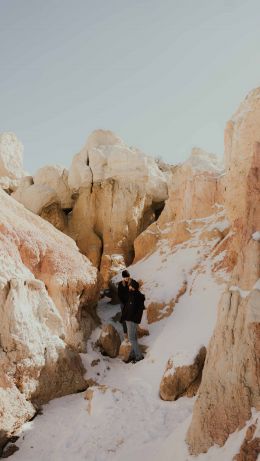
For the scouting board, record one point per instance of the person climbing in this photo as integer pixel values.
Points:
(132, 315)
(123, 294)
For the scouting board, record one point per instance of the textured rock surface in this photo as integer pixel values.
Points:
(47, 295)
(110, 194)
(250, 448)
(120, 190)
(158, 311)
(11, 156)
(35, 197)
(56, 178)
(47, 194)
(109, 340)
(124, 351)
(177, 380)
(230, 383)
(195, 188)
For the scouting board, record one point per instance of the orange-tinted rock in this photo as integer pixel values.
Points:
(109, 340)
(41, 269)
(250, 448)
(180, 380)
(157, 311)
(142, 332)
(230, 383)
(124, 351)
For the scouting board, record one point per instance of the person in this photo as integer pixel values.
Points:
(123, 293)
(132, 315)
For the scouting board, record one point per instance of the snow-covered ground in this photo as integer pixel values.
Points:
(127, 420)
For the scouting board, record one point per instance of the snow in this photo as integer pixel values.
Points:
(243, 293)
(256, 236)
(127, 420)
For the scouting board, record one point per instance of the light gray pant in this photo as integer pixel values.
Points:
(132, 336)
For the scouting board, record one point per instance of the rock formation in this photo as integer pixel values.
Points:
(11, 156)
(48, 291)
(110, 194)
(178, 380)
(230, 383)
(109, 341)
(120, 191)
(195, 190)
(250, 448)
(11, 162)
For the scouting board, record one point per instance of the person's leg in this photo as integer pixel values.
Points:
(123, 322)
(136, 348)
(131, 337)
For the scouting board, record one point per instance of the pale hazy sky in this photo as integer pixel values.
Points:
(163, 74)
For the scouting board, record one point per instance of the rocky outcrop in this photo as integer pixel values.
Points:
(195, 191)
(35, 197)
(158, 311)
(195, 188)
(250, 448)
(230, 384)
(124, 351)
(120, 192)
(48, 292)
(109, 341)
(47, 194)
(110, 194)
(56, 178)
(178, 380)
(11, 156)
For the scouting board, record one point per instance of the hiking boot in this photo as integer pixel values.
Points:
(130, 359)
(138, 360)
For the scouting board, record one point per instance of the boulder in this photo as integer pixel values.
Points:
(158, 311)
(56, 178)
(55, 215)
(141, 331)
(250, 448)
(36, 197)
(11, 156)
(109, 341)
(124, 351)
(178, 379)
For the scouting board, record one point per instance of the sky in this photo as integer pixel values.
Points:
(165, 75)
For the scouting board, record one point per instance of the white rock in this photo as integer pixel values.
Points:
(56, 177)
(79, 173)
(106, 156)
(201, 160)
(11, 156)
(36, 197)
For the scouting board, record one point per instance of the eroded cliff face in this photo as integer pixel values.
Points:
(195, 192)
(110, 194)
(231, 378)
(48, 292)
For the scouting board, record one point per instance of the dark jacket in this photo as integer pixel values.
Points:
(123, 292)
(133, 310)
